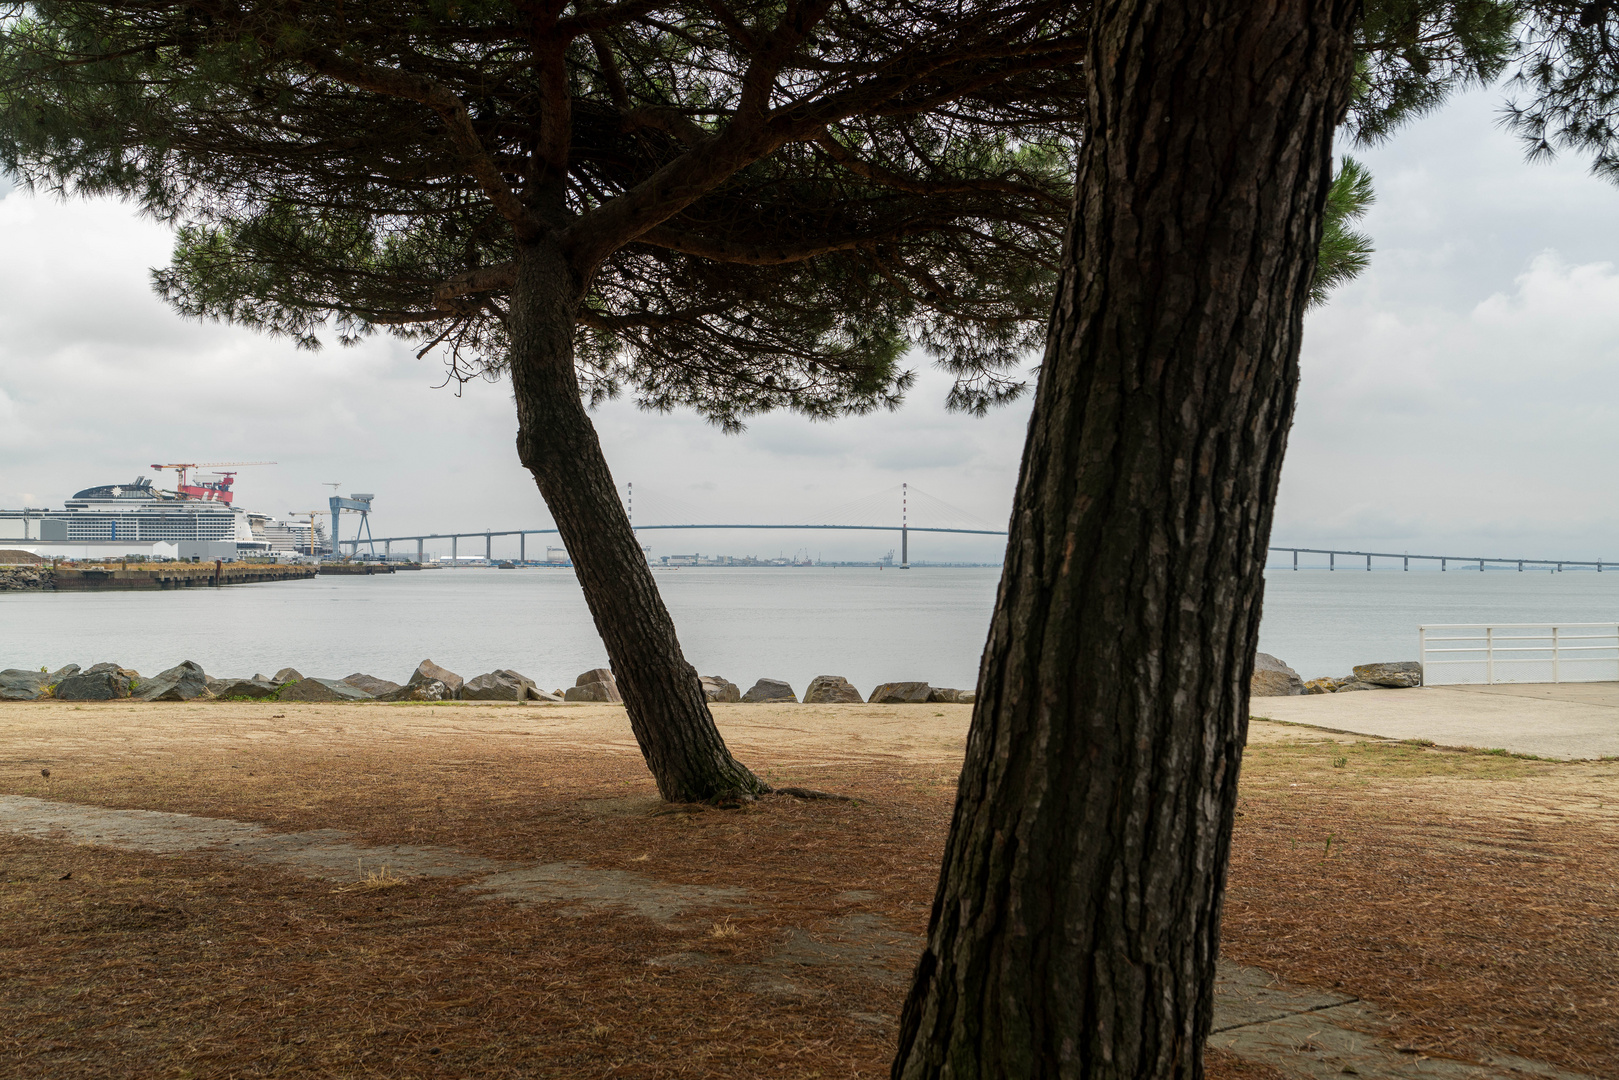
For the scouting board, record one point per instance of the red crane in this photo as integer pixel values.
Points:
(206, 490)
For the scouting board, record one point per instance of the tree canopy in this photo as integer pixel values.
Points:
(765, 205)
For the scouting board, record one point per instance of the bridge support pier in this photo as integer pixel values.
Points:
(1332, 561)
(419, 549)
(1295, 559)
(1408, 562)
(488, 547)
(455, 548)
(522, 547)
(1368, 564)
(1442, 564)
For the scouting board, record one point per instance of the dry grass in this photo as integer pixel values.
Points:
(1472, 895)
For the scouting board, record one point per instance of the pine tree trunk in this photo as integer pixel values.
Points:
(557, 443)
(1076, 924)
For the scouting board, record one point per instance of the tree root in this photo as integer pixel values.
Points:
(810, 793)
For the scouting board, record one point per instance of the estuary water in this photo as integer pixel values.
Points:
(743, 623)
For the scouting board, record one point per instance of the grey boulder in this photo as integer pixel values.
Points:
(322, 690)
(186, 681)
(1357, 684)
(103, 682)
(501, 684)
(427, 671)
(258, 688)
(19, 685)
(769, 690)
(595, 691)
(943, 695)
(1398, 674)
(719, 688)
(901, 693)
(287, 675)
(371, 684)
(831, 690)
(1272, 678)
(536, 694)
(597, 684)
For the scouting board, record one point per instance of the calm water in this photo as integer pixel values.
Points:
(871, 626)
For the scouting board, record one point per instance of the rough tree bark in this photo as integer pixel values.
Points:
(557, 443)
(1076, 924)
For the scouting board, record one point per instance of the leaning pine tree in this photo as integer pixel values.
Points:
(728, 207)
(732, 206)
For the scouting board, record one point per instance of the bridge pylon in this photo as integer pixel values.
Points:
(904, 527)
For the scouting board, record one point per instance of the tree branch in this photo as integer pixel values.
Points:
(592, 22)
(726, 251)
(457, 123)
(961, 186)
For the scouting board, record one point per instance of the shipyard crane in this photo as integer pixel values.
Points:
(219, 491)
(311, 515)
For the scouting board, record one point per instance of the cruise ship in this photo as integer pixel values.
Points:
(140, 519)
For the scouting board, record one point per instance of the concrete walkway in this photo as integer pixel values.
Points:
(1553, 720)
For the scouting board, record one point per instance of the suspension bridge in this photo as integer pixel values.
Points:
(919, 512)
(862, 515)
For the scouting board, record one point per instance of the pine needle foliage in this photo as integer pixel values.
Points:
(767, 204)
(1345, 253)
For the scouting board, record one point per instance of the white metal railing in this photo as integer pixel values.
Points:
(1472, 653)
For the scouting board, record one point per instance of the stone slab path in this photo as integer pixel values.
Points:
(1552, 720)
(1301, 1031)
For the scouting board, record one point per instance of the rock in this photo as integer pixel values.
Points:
(769, 690)
(258, 688)
(61, 673)
(185, 681)
(719, 688)
(940, 695)
(1399, 673)
(967, 697)
(1356, 684)
(901, 693)
(536, 694)
(831, 690)
(371, 684)
(1324, 685)
(596, 691)
(597, 684)
(1272, 678)
(427, 671)
(286, 675)
(104, 682)
(499, 685)
(322, 690)
(17, 684)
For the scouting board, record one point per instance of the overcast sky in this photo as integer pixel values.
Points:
(1462, 397)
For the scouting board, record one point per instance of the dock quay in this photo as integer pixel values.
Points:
(358, 568)
(64, 576)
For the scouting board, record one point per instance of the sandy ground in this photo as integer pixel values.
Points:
(805, 735)
(802, 957)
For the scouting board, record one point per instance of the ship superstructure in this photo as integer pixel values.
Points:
(133, 512)
(147, 519)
